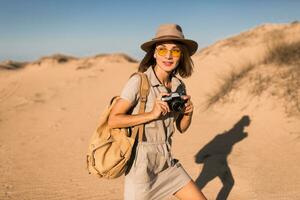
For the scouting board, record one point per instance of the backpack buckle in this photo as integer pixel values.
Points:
(143, 99)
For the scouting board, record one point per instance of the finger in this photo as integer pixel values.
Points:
(186, 97)
(164, 107)
(188, 109)
(165, 104)
(168, 108)
(188, 105)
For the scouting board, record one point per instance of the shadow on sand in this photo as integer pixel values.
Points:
(214, 157)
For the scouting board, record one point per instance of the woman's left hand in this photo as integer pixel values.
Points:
(189, 108)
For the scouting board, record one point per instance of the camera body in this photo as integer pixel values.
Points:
(175, 102)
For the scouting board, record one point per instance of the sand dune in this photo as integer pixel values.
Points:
(246, 121)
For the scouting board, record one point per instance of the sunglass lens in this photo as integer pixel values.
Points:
(162, 51)
(175, 52)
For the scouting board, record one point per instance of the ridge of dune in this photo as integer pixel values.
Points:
(115, 57)
(63, 59)
(59, 58)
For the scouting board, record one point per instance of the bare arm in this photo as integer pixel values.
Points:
(119, 119)
(184, 120)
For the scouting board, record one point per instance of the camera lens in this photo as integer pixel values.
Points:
(177, 105)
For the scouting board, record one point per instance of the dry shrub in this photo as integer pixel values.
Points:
(286, 55)
(283, 53)
(229, 82)
(260, 83)
(12, 65)
(117, 57)
(59, 58)
(292, 90)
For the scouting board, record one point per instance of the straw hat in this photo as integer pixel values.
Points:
(170, 32)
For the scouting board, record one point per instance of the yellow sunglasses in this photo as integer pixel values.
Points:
(163, 51)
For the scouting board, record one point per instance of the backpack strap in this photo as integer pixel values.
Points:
(144, 91)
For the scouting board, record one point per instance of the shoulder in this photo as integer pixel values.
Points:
(131, 88)
(134, 79)
(138, 76)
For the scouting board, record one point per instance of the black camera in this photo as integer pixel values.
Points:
(175, 102)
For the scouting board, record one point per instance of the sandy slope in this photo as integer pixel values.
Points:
(48, 111)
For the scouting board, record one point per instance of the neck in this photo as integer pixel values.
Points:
(163, 76)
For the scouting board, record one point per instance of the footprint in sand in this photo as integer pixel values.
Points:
(21, 102)
(38, 98)
(83, 67)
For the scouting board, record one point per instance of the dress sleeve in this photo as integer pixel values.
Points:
(130, 91)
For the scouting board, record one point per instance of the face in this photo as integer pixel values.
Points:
(167, 56)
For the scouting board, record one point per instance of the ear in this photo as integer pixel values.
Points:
(154, 55)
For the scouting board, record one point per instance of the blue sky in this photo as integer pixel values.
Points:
(30, 29)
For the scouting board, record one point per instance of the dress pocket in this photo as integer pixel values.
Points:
(160, 163)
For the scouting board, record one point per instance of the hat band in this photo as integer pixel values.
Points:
(168, 36)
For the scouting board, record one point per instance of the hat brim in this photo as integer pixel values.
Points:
(191, 45)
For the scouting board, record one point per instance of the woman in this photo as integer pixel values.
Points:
(154, 173)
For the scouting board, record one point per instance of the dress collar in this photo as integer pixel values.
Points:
(175, 82)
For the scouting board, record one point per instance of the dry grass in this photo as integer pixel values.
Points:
(117, 57)
(229, 83)
(12, 65)
(286, 55)
(59, 58)
(292, 90)
(260, 83)
(283, 53)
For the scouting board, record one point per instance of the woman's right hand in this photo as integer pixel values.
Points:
(160, 107)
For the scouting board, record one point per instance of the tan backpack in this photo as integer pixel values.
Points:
(111, 149)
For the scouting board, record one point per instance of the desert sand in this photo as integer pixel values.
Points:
(249, 128)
